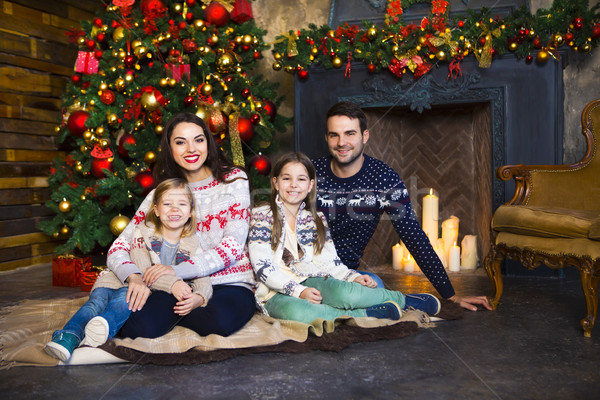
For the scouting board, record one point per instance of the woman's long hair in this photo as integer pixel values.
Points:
(310, 200)
(216, 160)
(175, 183)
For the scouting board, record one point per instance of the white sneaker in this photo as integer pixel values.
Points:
(96, 332)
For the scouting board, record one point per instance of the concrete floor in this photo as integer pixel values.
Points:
(530, 348)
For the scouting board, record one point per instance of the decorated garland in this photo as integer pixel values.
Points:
(416, 48)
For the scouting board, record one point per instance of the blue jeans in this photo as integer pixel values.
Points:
(104, 302)
(339, 298)
(376, 278)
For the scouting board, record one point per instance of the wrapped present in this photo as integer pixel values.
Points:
(86, 62)
(88, 277)
(178, 70)
(242, 11)
(66, 270)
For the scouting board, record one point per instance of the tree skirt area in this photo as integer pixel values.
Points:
(25, 329)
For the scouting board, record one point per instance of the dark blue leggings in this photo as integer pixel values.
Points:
(228, 310)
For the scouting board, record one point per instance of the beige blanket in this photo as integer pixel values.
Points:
(27, 327)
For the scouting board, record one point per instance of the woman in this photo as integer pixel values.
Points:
(222, 201)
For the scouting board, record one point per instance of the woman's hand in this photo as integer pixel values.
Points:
(312, 295)
(188, 303)
(469, 302)
(137, 292)
(156, 271)
(366, 280)
(181, 290)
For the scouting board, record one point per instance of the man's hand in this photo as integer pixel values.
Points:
(312, 295)
(366, 280)
(156, 271)
(469, 302)
(137, 292)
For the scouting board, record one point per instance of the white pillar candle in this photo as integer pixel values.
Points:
(454, 258)
(441, 252)
(408, 263)
(397, 255)
(450, 233)
(468, 255)
(431, 216)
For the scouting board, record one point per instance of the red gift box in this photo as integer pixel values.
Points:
(88, 278)
(178, 70)
(67, 269)
(242, 11)
(86, 63)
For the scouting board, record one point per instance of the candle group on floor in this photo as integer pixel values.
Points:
(451, 255)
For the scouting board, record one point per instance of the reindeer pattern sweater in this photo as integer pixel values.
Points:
(353, 207)
(222, 217)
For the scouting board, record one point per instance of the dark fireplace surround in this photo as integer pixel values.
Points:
(521, 104)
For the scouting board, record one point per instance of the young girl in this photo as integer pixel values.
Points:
(300, 275)
(167, 237)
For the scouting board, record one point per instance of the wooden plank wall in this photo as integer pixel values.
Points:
(36, 62)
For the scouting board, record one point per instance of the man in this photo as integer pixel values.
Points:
(353, 191)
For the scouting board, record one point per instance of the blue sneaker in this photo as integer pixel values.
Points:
(387, 310)
(61, 346)
(425, 302)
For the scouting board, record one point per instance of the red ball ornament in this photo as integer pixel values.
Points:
(100, 164)
(191, 3)
(482, 41)
(255, 118)
(128, 139)
(569, 36)
(261, 163)
(149, 6)
(76, 79)
(146, 181)
(537, 43)
(101, 37)
(189, 16)
(578, 23)
(529, 59)
(245, 128)
(90, 44)
(216, 14)
(188, 101)
(76, 122)
(596, 31)
(189, 45)
(270, 109)
(256, 55)
(245, 92)
(461, 24)
(107, 97)
(129, 61)
(98, 54)
(182, 25)
(303, 74)
(98, 22)
(371, 68)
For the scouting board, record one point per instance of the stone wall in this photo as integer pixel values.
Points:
(580, 75)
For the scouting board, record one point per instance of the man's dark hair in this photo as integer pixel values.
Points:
(350, 110)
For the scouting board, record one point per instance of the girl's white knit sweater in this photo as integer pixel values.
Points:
(222, 216)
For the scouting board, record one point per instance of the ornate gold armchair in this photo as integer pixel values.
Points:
(553, 218)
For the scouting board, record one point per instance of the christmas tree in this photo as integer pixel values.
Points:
(138, 64)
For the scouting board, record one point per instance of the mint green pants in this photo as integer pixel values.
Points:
(339, 298)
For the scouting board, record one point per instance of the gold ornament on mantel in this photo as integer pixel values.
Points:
(64, 206)
(118, 224)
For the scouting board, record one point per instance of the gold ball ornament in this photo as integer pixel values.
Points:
(314, 51)
(199, 24)
(585, 48)
(104, 143)
(64, 230)
(542, 56)
(372, 32)
(278, 56)
(149, 102)
(78, 167)
(140, 51)
(163, 82)
(129, 78)
(225, 63)
(158, 129)
(82, 197)
(81, 41)
(136, 43)
(214, 39)
(337, 62)
(247, 40)
(149, 157)
(64, 206)
(120, 84)
(289, 69)
(441, 55)
(100, 131)
(513, 46)
(206, 89)
(90, 140)
(172, 82)
(87, 135)
(118, 224)
(178, 8)
(112, 119)
(559, 40)
(277, 66)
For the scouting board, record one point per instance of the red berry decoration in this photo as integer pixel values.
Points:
(100, 164)
(255, 118)
(128, 139)
(261, 163)
(107, 97)
(76, 122)
(129, 61)
(216, 14)
(270, 109)
(188, 101)
(303, 74)
(245, 128)
(371, 68)
(146, 181)
(245, 92)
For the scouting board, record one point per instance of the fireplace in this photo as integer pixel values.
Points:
(511, 113)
